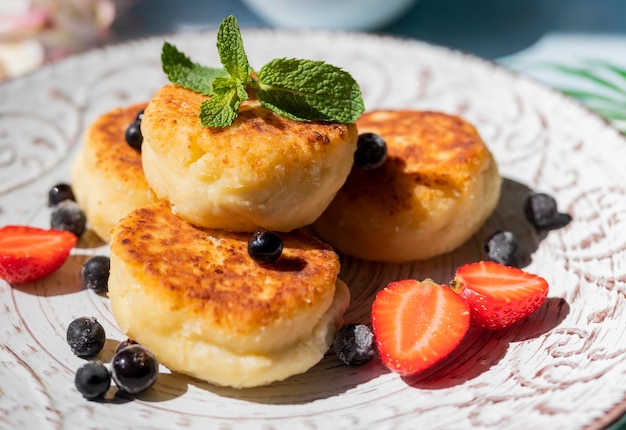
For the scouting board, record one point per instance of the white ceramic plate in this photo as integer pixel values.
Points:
(561, 368)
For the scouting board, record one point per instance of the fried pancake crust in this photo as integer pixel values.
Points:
(197, 299)
(436, 189)
(107, 174)
(264, 170)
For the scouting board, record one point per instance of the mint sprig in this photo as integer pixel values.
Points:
(309, 90)
(302, 90)
(230, 48)
(180, 70)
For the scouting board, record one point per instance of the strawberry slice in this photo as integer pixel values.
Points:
(30, 253)
(499, 295)
(416, 324)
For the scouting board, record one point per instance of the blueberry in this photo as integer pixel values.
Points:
(501, 247)
(67, 215)
(85, 336)
(371, 151)
(124, 344)
(133, 135)
(92, 380)
(60, 192)
(95, 273)
(354, 344)
(265, 246)
(139, 116)
(134, 369)
(541, 210)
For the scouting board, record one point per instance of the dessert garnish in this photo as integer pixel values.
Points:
(92, 380)
(60, 192)
(371, 151)
(354, 344)
(298, 89)
(86, 336)
(69, 216)
(133, 135)
(541, 211)
(502, 247)
(499, 295)
(95, 273)
(134, 369)
(417, 324)
(30, 253)
(265, 246)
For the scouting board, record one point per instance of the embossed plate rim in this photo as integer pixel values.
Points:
(49, 397)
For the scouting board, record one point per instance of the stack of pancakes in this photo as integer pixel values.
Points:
(179, 215)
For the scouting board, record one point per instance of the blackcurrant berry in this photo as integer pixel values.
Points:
(542, 212)
(92, 379)
(354, 344)
(68, 215)
(85, 336)
(60, 192)
(265, 246)
(95, 273)
(371, 151)
(501, 247)
(134, 369)
(133, 135)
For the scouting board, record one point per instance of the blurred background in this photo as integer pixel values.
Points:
(586, 39)
(35, 31)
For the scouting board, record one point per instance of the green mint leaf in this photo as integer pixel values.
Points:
(231, 51)
(180, 70)
(307, 90)
(222, 108)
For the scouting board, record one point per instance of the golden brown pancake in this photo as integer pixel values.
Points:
(107, 174)
(205, 308)
(436, 189)
(262, 171)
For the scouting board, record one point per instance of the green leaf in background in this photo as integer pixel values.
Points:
(180, 70)
(604, 88)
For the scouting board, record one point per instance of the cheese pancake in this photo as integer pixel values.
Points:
(196, 299)
(107, 175)
(264, 170)
(437, 187)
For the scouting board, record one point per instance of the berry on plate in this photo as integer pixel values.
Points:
(354, 344)
(498, 295)
(86, 336)
(60, 192)
(30, 253)
(95, 273)
(417, 324)
(502, 247)
(68, 215)
(542, 212)
(134, 369)
(92, 380)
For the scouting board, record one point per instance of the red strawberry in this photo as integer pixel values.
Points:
(29, 253)
(416, 324)
(499, 295)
